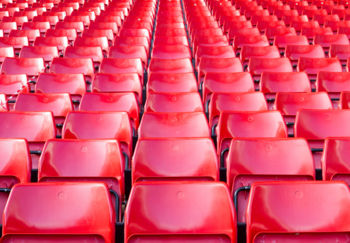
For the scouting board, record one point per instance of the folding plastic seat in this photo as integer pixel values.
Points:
(317, 125)
(122, 65)
(35, 127)
(111, 18)
(214, 52)
(52, 19)
(279, 30)
(248, 52)
(30, 34)
(42, 26)
(28, 66)
(71, 34)
(6, 52)
(173, 102)
(60, 42)
(78, 26)
(120, 82)
(100, 125)
(170, 66)
(93, 41)
(318, 212)
(65, 160)
(12, 85)
(74, 5)
(289, 104)
(257, 66)
(312, 66)
(129, 52)
(16, 42)
(282, 41)
(19, 20)
(202, 33)
(226, 83)
(322, 19)
(126, 101)
(217, 40)
(67, 9)
(294, 52)
(327, 40)
(299, 25)
(84, 16)
(69, 65)
(6, 27)
(59, 208)
(59, 104)
(105, 25)
(244, 168)
(56, 12)
(11, 10)
(242, 101)
(133, 41)
(218, 65)
(108, 33)
(30, 13)
(342, 52)
(247, 124)
(173, 155)
(4, 13)
(124, 32)
(171, 51)
(250, 40)
(173, 125)
(93, 52)
(334, 83)
(48, 53)
(335, 162)
(168, 220)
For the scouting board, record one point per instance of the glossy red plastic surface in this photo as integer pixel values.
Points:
(320, 124)
(60, 42)
(259, 51)
(283, 41)
(28, 66)
(289, 103)
(61, 83)
(294, 52)
(129, 52)
(101, 41)
(181, 214)
(248, 124)
(214, 52)
(112, 102)
(257, 66)
(48, 53)
(13, 84)
(345, 100)
(327, 40)
(173, 102)
(313, 66)
(45, 212)
(33, 126)
(170, 66)
(84, 160)
(6, 52)
(333, 82)
(72, 66)
(172, 82)
(173, 125)
(162, 51)
(176, 159)
(99, 125)
(30, 34)
(59, 104)
(121, 65)
(273, 82)
(342, 52)
(93, 52)
(298, 212)
(219, 65)
(71, 34)
(78, 26)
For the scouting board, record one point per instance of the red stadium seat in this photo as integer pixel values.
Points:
(6, 27)
(16, 42)
(173, 102)
(174, 125)
(78, 26)
(48, 53)
(35, 127)
(244, 168)
(133, 41)
(231, 102)
(129, 52)
(282, 41)
(248, 124)
(258, 66)
(250, 40)
(173, 155)
(170, 66)
(12, 85)
(52, 19)
(6, 52)
(112, 102)
(168, 219)
(335, 162)
(93, 52)
(101, 41)
(214, 52)
(171, 82)
(42, 26)
(99, 125)
(30, 34)
(171, 51)
(108, 33)
(59, 208)
(71, 34)
(80, 160)
(122, 65)
(312, 66)
(73, 66)
(318, 212)
(105, 25)
(119, 82)
(342, 52)
(259, 51)
(294, 52)
(60, 42)
(327, 40)
(344, 100)
(28, 66)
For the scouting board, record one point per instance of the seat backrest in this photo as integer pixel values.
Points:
(13, 84)
(28, 66)
(173, 155)
(172, 82)
(257, 66)
(57, 210)
(304, 212)
(177, 202)
(98, 160)
(333, 82)
(289, 103)
(273, 82)
(72, 66)
(313, 66)
(48, 53)
(61, 83)
(294, 52)
(170, 66)
(99, 125)
(320, 124)
(33, 126)
(59, 104)
(121, 65)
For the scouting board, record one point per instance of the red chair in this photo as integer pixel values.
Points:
(170, 66)
(294, 52)
(16, 42)
(42, 26)
(108, 33)
(100, 125)
(27, 66)
(129, 52)
(52, 19)
(244, 168)
(327, 40)
(334, 161)
(319, 211)
(35, 127)
(119, 82)
(133, 41)
(250, 40)
(173, 125)
(171, 82)
(30, 34)
(70, 202)
(214, 52)
(342, 52)
(121, 65)
(232, 102)
(317, 125)
(6, 27)
(312, 66)
(173, 102)
(93, 52)
(80, 160)
(174, 154)
(257, 66)
(101, 42)
(112, 102)
(71, 34)
(48, 53)
(259, 51)
(171, 51)
(16, 166)
(60, 42)
(6, 52)
(78, 26)
(248, 124)
(73, 66)
(12, 85)
(168, 219)
(282, 41)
